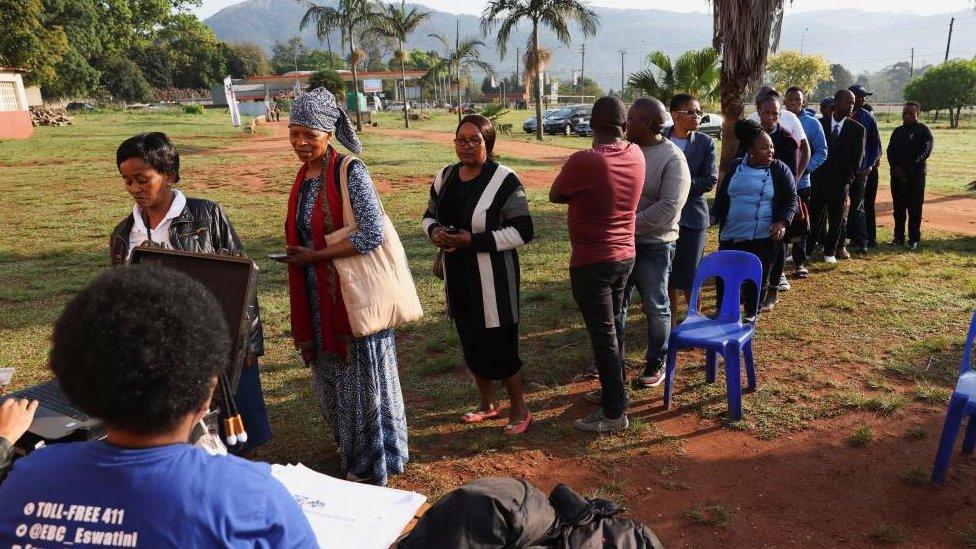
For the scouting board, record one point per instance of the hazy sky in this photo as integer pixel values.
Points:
(210, 7)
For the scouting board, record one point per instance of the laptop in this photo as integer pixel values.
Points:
(56, 417)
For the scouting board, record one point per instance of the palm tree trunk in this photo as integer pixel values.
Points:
(403, 79)
(732, 108)
(355, 81)
(328, 41)
(538, 80)
(459, 109)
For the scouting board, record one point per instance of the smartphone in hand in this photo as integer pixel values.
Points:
(278, 256)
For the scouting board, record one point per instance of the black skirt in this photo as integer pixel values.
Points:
(491, 353)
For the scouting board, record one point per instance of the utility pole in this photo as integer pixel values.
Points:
(802, 36)
(457, 49)
(911, 70)
(622, 54)
(582, 63)
(518, 57)
(949, 40)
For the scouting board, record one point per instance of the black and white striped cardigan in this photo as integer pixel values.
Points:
(500, 223)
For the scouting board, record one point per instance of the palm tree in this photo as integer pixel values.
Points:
(326, 18)
(696, 72)
(535, 64)
(466, 53)
(554, 14)
(348, 15)
(392, 21)
(742, 33)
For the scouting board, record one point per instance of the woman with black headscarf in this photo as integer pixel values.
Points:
(355, 378)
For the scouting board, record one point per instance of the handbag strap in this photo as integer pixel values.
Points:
(347, 214)
(446, 175)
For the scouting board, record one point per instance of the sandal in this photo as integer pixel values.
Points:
(513, 429)
(480, 415)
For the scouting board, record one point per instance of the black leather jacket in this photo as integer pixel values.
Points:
(201, 227)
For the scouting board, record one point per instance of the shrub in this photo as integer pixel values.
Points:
(193, 108)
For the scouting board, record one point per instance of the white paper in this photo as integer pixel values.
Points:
(349, 514)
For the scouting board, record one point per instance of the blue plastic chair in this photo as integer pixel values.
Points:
(962, 403)
(727, 334)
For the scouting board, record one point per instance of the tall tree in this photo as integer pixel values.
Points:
(197, 57)
(285, 55)
(951, 85)
(350, 15)
(466, 54)
(792, 68)
(696, 72)
(742, 32)
(246, 59)
(840, 78)
(553, 14)
(27, 43)
(395, 22)
(536, 61)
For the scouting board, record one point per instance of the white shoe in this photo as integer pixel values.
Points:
(784, 285)
(830, 259)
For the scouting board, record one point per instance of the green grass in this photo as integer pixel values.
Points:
(895, 352)
(950, 169)
(709, 514)
(861, 437)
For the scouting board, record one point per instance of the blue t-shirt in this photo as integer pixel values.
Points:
(92, 494)
(750, 205)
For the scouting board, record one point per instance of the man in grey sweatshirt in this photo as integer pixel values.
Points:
(667, 181)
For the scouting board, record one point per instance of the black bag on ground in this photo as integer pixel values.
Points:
(508, 513)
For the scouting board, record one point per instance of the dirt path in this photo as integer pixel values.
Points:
(955, 214)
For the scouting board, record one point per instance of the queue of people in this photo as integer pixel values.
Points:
(637, 219)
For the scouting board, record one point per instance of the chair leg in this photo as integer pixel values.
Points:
(969, 443)
(669, 372)
(750, 367)
(950, 430)
(733, 381)
(711, 365)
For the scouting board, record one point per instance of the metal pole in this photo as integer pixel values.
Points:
(622, 53)
(457, 48)
(582, 64)
(949, 40)
(911, 71)
(518, 56)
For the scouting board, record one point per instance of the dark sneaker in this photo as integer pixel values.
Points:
(591, 371)
(595, 396)
(913, 245)
(872, 244)
(596, 422)
(898, 242)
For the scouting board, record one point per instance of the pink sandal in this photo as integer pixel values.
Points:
(480, 415)
(513, 429)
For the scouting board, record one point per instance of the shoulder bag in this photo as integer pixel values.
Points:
(377, 287)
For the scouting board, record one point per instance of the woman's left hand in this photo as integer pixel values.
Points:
(460, 240)
(302, 256)
(777, 231)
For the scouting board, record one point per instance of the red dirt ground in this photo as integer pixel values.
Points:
(810, 489)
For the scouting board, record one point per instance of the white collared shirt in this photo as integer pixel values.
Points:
(160, 234)
(789, 122)
(836, 125)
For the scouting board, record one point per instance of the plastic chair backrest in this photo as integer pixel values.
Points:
(732, 267)
(967, 352)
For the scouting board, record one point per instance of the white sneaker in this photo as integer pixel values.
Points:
(784, 285)
(830, 259)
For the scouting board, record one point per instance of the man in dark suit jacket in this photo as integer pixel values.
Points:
(831, 181)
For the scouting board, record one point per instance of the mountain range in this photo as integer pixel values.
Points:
(861, 41)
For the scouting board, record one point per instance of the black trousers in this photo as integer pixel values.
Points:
(870, 195)
(800, 246)
(827, 209)
(907, 197)
(856, 225)
(765, 249)
(598, 289)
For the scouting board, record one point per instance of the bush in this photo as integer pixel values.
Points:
(284, 104)
(194, 108)
(330, 80)
(124, 81)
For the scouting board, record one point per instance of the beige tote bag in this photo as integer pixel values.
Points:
(377, 287)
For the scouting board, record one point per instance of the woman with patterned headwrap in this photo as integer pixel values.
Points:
(355, 378)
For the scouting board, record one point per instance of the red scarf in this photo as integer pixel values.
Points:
(335, 329)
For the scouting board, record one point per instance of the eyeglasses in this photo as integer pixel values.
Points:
(691, 112)
(469, 143)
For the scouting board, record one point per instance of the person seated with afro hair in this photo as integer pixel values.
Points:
(140, 348)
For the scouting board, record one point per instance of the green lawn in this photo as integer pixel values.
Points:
(880, 335)
(951, 168)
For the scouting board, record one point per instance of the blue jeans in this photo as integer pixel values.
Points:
(652, 267)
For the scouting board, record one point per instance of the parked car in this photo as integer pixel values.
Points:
(398, 107)
(529, 124)
(564, 120)
(75, 106)
(711, 124)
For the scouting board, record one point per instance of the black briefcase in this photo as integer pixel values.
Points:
(232, 279)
